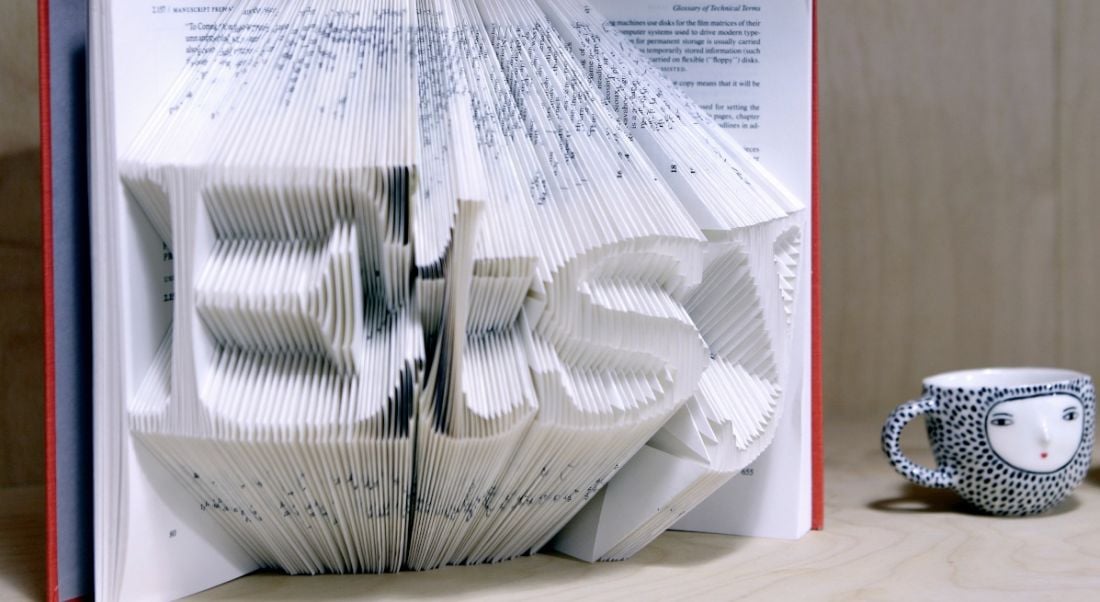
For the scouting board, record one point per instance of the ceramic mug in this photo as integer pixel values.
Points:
(1011, 441)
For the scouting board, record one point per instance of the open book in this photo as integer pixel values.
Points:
(394, 284)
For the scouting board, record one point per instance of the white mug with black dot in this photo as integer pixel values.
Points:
(1011, 441)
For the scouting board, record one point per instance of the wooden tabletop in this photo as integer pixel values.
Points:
(22, 543)
(883, 540)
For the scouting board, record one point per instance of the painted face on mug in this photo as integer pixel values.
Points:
(1036, 434)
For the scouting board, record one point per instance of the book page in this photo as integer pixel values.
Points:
(749, 64)
(175, 223)
(746, 63)
(141, 537)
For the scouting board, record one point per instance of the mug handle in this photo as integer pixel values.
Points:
(891, 445)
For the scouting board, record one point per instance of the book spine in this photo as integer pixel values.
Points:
(49, 376)
(817, 520)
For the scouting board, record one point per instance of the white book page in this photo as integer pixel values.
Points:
(150, 47)
(749, 64)
(153, 540)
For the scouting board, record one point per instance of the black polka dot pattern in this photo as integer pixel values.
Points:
(967, 463)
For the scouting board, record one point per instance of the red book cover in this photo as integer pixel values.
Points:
(62, 35)
(49, 384)
(818, 521)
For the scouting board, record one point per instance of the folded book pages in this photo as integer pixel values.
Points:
(741, 308)
(450, 279)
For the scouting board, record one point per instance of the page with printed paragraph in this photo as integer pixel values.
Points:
(749, 65)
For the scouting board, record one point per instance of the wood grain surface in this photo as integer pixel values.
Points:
(22, 431)
(940, 201)
(22, 544)
(1079, 184)
(18, 77)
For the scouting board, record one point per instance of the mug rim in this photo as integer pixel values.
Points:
(1002, 377)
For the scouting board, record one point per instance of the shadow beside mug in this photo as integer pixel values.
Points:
(917, 499)
(1093, 476)
(914, 499)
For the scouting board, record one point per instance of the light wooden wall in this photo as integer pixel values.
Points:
(18, 76)
(1078, 160)
(22, 431)
(21, 408)
(960, 179)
